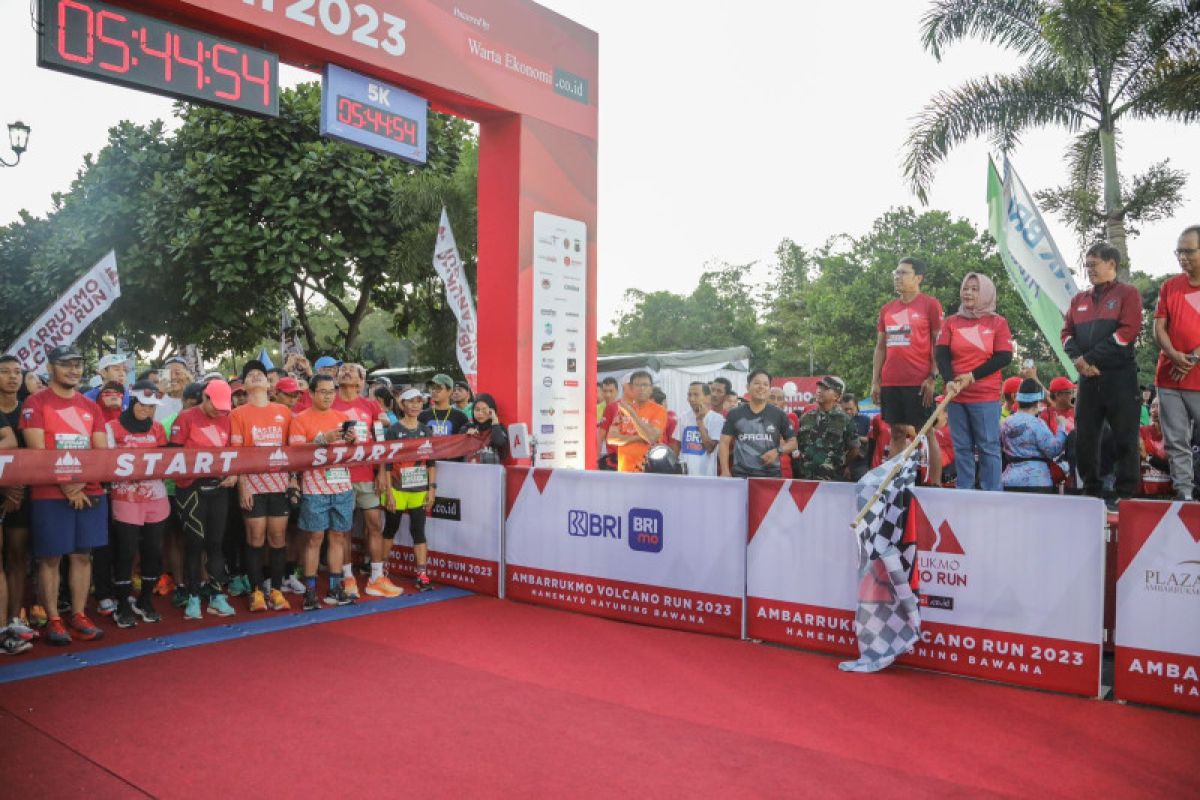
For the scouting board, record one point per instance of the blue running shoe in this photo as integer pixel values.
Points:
(220, 606)
(192, 610)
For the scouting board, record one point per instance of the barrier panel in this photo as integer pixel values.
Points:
(661, 550)
(1011, 587)
(464, 532)
(1157, 653)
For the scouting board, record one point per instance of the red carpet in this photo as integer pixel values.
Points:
(483, 697)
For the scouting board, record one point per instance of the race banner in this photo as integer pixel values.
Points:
(463, 531)
(1011, 588)
(1031, 259)
(1157, 653)
(68, 316)
(41, 467)
(661, 550)
(450, 269)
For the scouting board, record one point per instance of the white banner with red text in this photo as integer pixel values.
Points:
(464, 532)
(660, 550)
(450, 269)
(67, 317)
(41, 467)
(1011, 590)
(1157, 653)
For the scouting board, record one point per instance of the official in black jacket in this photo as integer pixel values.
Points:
(1099, 332)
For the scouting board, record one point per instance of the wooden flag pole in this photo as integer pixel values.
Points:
(904, 454)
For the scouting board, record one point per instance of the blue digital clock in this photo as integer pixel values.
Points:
(368, 112)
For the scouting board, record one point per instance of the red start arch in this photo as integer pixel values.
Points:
(528, 77)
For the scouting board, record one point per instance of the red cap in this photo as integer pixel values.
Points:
(1061, 384)
(220, 394)
(1012, 385)
(287, 386)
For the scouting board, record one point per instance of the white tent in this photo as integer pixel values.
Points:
(673, 371)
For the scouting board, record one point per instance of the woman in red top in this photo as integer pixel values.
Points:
(972, 347)
(139, 508)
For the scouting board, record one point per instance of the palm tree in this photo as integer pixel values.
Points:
(1089, 65)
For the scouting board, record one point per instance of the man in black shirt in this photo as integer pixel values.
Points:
(441, 417)
(756, 434)
(14, 504)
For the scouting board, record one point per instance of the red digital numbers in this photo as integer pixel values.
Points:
(404, 130)
(263, 80)
(382, 123)
(100, 41)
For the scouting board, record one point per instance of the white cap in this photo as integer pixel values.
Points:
(111, 360)
(409, 394)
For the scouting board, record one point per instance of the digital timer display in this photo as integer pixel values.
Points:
(111, 44)
(365, 111)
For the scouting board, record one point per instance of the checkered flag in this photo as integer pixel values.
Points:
(888, 622)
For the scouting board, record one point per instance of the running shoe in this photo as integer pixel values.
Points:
(311, 603)
(19, 629)
(106, 608)
(165, 585)
(278, 602)
(350, 587)
(38, 617)
(144, 608)
(257, 601)
(239, 586)
(64, 605)
(423, 582)
(14, 645)
(180, 597)
(56, 632)
(294, 585)
(383, 587)
(124, 616)
(192, 609)
(343, 598)
(219, 606)
(331, 596)
(85, 629)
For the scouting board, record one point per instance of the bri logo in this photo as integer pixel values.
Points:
(645, 527)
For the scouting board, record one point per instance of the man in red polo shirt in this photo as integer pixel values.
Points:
(1177, 331)
(68, 519)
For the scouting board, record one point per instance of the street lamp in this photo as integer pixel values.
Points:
(18, 140)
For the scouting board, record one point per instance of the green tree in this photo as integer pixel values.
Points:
(722, 311)
(1090, 65)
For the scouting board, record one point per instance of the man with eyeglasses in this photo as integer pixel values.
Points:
(904, 370)
(1177, 332)
(1100, 332)
(638, 424)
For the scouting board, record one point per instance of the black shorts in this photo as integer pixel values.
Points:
(20, 517)
(902, 405)
(274, 504)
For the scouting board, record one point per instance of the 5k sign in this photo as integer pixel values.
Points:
(654, 549)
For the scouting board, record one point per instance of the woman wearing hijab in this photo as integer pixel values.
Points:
(1029, 445)
(139, 508)
(972, 348)
(484, 420)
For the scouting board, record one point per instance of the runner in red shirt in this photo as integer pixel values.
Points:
(68, 519)
(370, 422)
(263, 497)
(903, 371)
(203, 503)
(139, 509)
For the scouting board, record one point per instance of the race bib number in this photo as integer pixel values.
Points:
(899, 335)
(440, 427)
(70, 441)
(361, 432)
(337, 475)
(692, 444)
(415, 477)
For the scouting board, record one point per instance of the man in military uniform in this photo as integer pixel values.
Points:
(827, 437)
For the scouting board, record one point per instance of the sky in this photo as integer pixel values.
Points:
(724, 128)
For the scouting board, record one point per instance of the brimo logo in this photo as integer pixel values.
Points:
(645, 527)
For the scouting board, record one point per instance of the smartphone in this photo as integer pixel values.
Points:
(1028, 363)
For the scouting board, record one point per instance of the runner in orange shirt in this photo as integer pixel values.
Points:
(263, 497)
(639, 423)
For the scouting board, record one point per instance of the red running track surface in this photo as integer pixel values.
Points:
(482, 697)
